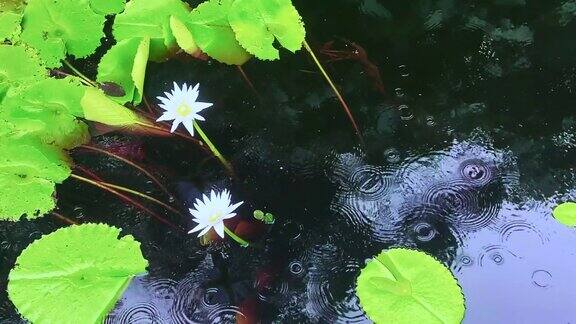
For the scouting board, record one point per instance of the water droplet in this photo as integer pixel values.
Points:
(405, 112)
(497, 258)
(392, 155)
(399, 92)
(296, 268)
(466, 260)
(424, 232)
(430, 121)
(403, 70)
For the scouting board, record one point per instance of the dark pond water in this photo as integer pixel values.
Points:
(468, 113)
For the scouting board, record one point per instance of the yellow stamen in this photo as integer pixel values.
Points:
(216, 216)
(183, 110)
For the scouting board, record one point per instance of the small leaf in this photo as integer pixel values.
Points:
(99, 108)
(407, 286)
(211, 30)
(74, 275)
(257, 23)
(269, 219)
(125, 64)
(145, 18)
(107, 7)
(112, 89)
(183, 36)
(565, 213)
(258, 214)
(59, 27)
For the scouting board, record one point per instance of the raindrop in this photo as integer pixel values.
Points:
(403, 70)
(392, 155)
(296, 268)
(4, 245)
(424, 232)
(541, 278)
(497, 258)
(430, 121)
(466, 260)
(405, 112)
(399, 92)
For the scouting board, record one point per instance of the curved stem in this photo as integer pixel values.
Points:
(134, 165)
(64, 218)
(126, 198)
(80, 74)
(333, 86)
(236, 237)
(142, 195)
(213, 148)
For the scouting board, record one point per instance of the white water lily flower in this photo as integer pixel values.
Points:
(181, 106)
(211, 212)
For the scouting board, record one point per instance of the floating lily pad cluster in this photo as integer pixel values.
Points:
(49, 114)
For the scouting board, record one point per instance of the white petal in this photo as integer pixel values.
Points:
(174, 126)
(198, 117)
(197, 228)
(166, 116)
(204, 231)
(236, 205)
(229, 216)
(219, 228)
(199, 106)
(188, 124)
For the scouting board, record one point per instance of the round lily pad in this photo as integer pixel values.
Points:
(407, 286)
(258, 23)
(565, 213)
(74, 275)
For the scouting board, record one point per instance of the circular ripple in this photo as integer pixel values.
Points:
(370, 182)
(329, 295)
(542, 278)
(477, 172)
(464, 206)
(138, 313)
(195, 303)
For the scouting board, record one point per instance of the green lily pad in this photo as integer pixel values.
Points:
(107, 7)
(74, 275)
(28, 172)
(19, 66)
(28, 196)
(565, 213)
(125, 64)
(407, 286)
(59, 27)
(145, 18)
(48, 110)
(10, 26)
(211, 30)
(257, 23)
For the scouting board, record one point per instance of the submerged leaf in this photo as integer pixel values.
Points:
(58, 27)
(209, 26)
(112, 89)
(125, 64)
(145, 18)
(100, 108)
(74, 275)
(107, 7)
(257, 23)
(565, 213)
(407, 286)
